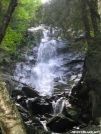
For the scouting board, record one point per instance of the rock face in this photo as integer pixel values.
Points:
(60, 123)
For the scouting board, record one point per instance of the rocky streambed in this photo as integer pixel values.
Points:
(60, 113)
(56, 114)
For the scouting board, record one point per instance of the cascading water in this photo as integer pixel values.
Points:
(50, 70)
(44, 70)
(58, 105)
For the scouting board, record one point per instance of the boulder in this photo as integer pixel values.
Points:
(31, 93)
(60, 124)
(19, 97)
(15, 93)
(40, 106)
(71, 112)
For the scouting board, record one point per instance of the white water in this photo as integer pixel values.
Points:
(44, 70)
(58, 105)
(49, 69)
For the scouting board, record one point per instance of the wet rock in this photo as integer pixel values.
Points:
(15, 93)
(31, 123)
(31, 129)
(31, 93)
(75, 61)
(73, 113)
(60, 124)
(42, 118)
(48, 115)
(54, 97)
(19, 97)
(62, 50)
(40, 106)
(61, 95)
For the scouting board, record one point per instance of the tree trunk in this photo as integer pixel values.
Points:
(92, 76)
(94, 15)
(10, 119)
(85, 19)
(7, 18)
(88, 90)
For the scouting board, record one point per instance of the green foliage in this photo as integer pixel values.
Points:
(92, 33)
(11, 39)
(86, 47)
(23, 17)
(65, 14)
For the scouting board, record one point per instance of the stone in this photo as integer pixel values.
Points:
(71, 112)
(40, 106)
(31, 123)
(15, 93)
(31, 93)
(60, 124)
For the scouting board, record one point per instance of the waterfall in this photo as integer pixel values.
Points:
(58, 105)
(44, 69)
(49, 72)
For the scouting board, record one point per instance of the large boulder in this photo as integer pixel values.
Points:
(71, 112)
(40, 106)
(15, 93)
(60, 124)
(31, 93)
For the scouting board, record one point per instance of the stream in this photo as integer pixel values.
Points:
(46, 66)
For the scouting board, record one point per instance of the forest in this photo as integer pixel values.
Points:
(50, 66)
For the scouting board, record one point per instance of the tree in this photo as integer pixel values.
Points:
(64, 14)
(7, 18)
(23, 17)
(10, 119)
(90, 83)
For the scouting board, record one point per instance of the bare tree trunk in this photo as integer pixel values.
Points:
(7, 18)
(85, 19)
(88, 90)
(10, 119)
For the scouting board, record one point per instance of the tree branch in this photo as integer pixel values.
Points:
(7, 18)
